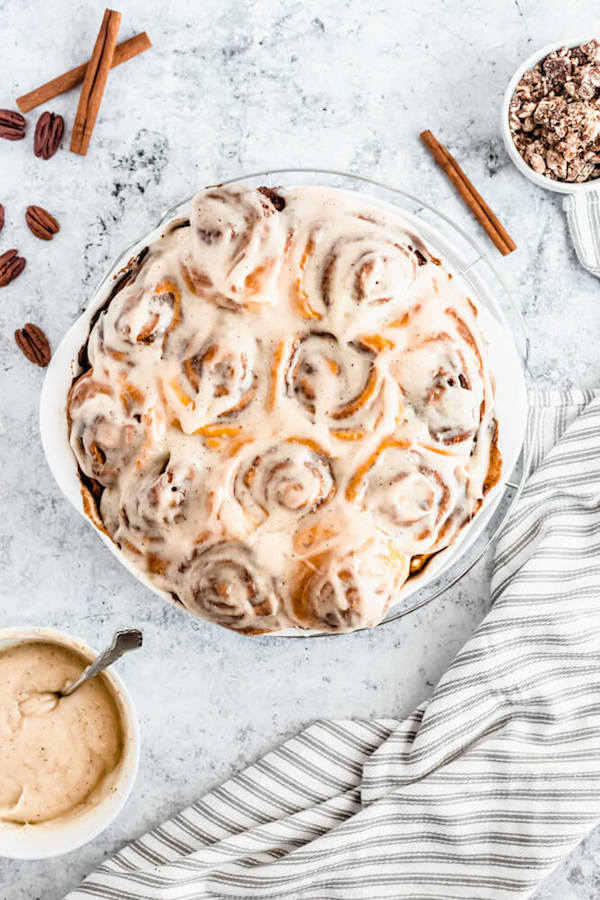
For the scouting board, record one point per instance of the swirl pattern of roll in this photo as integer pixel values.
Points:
(285, 409)
(217, 379)
(334, 382)
(342, 590)
(236, 247)
(412, 496)
(360, 267)
(283, 481)
(103, 437)
(223, 583)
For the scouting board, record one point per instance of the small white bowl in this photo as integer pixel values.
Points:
(561, 187)
(71, 831)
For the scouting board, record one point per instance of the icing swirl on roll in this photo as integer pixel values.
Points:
(413, 496)
(285, 409)
(336, 383)
(357, 267)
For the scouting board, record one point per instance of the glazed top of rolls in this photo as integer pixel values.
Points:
(285, 409)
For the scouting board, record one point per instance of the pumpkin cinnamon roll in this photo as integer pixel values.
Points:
(158, 515)
(285, 408)
(345, 589)
(167, 494)
(413, 496)
(147, 315)
(236, 247)
(104, 437)
(138, 319)
(282, 481)
(335, 383)
(360, 266)
(217, 380)
(224, 583)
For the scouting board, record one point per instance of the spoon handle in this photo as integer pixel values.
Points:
(122, 642)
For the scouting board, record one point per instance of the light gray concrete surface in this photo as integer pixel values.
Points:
(233, 86)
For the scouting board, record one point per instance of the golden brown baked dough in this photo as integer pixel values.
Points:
(285, 409)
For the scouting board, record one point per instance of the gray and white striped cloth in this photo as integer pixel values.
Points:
(481, 791)
(583, 216)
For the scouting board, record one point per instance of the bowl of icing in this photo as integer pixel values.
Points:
(68, 765)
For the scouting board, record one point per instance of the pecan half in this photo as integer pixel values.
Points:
(1, 217)
(11, 266)
(12, 125)
(48, 132)
(33, 343)
(41, 223)
(275, 198)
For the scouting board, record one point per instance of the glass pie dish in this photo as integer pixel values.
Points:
(501, 323)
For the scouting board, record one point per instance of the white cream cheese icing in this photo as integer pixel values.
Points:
(286, 409)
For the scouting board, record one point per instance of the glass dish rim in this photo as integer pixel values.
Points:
(523, 459)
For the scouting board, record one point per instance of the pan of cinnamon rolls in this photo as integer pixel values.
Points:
(283, 411)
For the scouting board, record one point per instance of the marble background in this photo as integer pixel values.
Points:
(234, 86)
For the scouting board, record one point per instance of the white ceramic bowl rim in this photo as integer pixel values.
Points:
(560, 187)
(54, 839)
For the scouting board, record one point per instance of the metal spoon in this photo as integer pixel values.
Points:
(122, 642)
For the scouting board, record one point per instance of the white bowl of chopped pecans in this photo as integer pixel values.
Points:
(551, 117)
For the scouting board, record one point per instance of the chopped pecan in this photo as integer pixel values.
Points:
(12, 125)
(1, 217)
(33, 343)
(557, 69)
(550, 112)
(41, 223)
(591, 49)
(11, 266)
(48, 132)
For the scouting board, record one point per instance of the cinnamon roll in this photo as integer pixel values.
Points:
(147, 315)
(342, 590)
(218, 379)
(359, 266)
(285, 409)
(237, 239)
(222, 582)
(283, 481)
(419, 500)
(168, 493)
(104, 437)
(334, 382)
(440, 383)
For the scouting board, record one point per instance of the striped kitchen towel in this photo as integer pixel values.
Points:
(583, 216)
(482, 790)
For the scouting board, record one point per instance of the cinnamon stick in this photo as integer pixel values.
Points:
(94, 82)
(480, 209)
(68, 80)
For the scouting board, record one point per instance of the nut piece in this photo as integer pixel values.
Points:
(11, 266)
(41, 223)
(48, 132)
(275, 198)
(33, 343)
(12, 125)
(1, 217)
